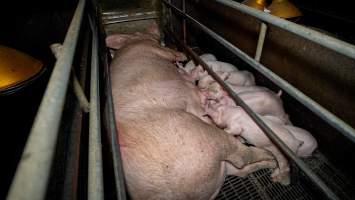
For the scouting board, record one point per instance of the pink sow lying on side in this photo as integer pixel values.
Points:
(169, 149)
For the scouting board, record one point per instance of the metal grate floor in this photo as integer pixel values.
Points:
(258, 185)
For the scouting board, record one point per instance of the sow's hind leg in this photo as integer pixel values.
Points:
(181, 157)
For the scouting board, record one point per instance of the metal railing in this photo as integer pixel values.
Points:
(314, 36)
(32, 175)
(33, 171)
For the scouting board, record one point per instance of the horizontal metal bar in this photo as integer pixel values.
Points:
(32, 174)
(314, 36)
(327, 116)
(110, 121)
(270, 133)
(95, 172)
(129, 20)
(128, 17)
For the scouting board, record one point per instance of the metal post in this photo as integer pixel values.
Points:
(170, 17)
(261, 39)
(184, 21)
(31, 178)
(95, 172)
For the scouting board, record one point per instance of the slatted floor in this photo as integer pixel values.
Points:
(258, 185)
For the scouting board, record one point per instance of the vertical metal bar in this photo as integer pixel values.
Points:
(261, 39)
(184, 21)
(95, 172)
(32, 174)
(270, 133)
(70, 190)
(170, 17)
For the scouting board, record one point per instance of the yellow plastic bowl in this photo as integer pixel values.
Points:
(16, 68)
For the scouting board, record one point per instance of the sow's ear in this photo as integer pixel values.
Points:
(116, 41)
(154, 30)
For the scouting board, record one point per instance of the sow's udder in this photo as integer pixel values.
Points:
(168, 150)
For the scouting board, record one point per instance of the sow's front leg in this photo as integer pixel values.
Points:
(172, 154)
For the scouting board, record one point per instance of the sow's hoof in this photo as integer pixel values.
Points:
(282, 177)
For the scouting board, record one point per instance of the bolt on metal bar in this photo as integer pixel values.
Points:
(33, 171)
(95, 172)
(268, 131)
(314, 36)
(327, 116)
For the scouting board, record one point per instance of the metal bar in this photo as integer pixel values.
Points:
(70, 189)
(95, 172)
(129, 19)
(314, 36)
(184, 21)
(32, 174)
(129, 15)
(273, 137)
(57, 49)
(170, 16)
(261, 39)
(327, 116)
(110, 119)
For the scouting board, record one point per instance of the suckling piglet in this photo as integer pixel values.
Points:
(241, 78)
(205, 57)
(234, 120)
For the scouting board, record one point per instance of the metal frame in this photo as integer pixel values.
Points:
(320, 111)
(323, 113)
(33, 171)
(314, 36)
(266, 129)
(38, 154)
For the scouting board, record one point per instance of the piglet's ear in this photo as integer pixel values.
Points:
(154, 30)
(116, 41)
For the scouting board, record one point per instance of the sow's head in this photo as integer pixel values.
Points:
(116, 41)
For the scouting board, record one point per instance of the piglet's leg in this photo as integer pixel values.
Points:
(242, 160)
(282, 173)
